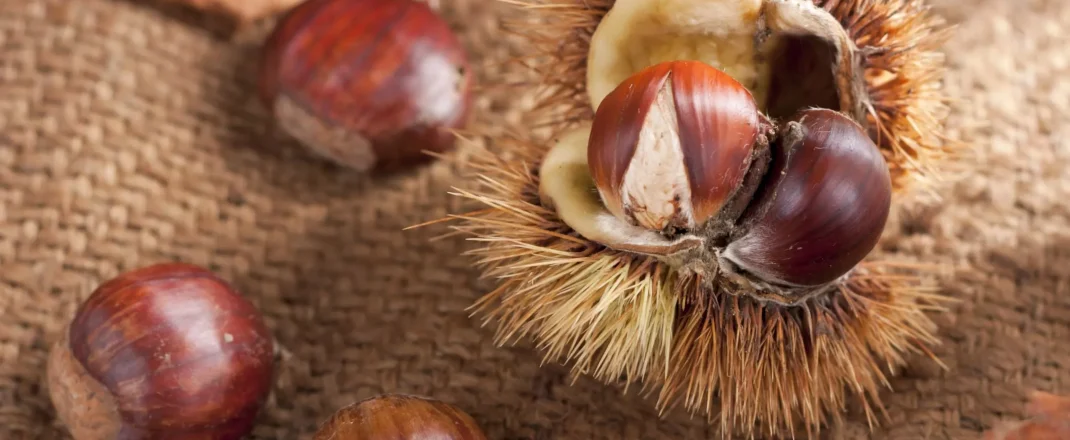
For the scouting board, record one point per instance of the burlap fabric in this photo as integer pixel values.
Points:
(130, 134)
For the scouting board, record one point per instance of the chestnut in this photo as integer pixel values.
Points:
(372, 85)
(694, 173)
(400, 417)
(1048, 418)
(823, 206)
(672, 145)
(167, 351)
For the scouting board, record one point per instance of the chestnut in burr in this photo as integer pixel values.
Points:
(168, 351)
(633, 263)
(822, 207)
(688, 169)
(673, 145)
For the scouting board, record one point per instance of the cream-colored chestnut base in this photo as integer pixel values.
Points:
(658, 157)
(334, 143)
(735, 36)
(82, 403)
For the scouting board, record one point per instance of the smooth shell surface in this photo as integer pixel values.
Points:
(367, 83)
(400, 417)
(179, 351)
(823, 205)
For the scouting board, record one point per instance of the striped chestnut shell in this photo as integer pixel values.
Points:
(372, 85)
(168, 351)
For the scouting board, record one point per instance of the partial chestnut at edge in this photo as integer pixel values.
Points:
(400, 417)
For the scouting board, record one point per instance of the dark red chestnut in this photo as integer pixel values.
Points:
(168, 351)
(400, 417)
(368, 84)
(822, 207)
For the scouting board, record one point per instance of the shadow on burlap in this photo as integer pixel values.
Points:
(128, 137)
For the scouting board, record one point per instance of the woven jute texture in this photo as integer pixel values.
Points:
(130, 134)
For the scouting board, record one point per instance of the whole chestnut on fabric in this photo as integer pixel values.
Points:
(168, 351)
(368, 84)
(400, 417)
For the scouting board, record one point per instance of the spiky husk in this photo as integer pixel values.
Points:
(899, 40)
(755, 369)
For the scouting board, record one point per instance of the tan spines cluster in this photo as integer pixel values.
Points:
(899, 41)
(903, 64)
(625, 319)
(762, 369)
(558, 32)
(607, 313)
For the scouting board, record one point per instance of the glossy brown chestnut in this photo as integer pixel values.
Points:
(673, 144)
(368, 84)
(400, 417)
(168, 351)
(823, 205)
(681, 149)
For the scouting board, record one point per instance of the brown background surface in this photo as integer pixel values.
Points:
(129, 135)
